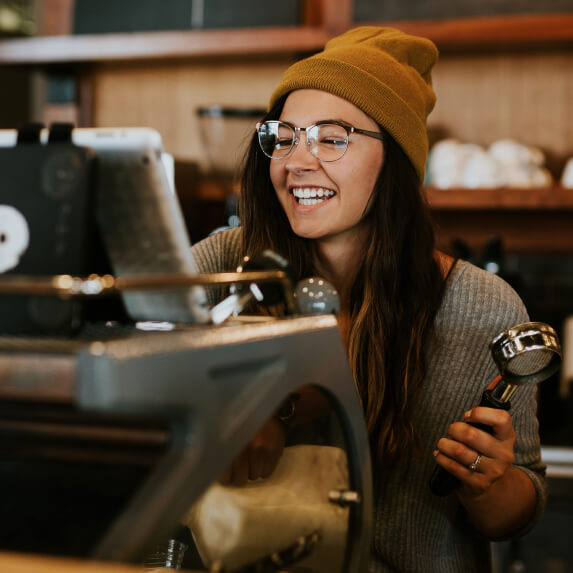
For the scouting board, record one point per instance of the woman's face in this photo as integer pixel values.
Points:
(342, 187)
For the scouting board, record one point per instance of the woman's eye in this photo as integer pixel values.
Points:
(282, 143)
(333, 141)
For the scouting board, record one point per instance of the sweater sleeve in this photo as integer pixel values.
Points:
(218, 253)
(493, 306)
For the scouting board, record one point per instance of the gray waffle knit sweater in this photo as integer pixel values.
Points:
(415, 531)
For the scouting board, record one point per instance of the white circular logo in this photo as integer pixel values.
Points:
(14, 237)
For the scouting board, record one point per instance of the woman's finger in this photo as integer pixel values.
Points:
(498, 420)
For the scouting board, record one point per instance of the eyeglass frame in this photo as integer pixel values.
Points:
(350, 129)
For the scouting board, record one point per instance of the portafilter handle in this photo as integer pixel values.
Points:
(526, 353)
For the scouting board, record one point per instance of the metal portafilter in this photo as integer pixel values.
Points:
(267, 294)
(527, 353)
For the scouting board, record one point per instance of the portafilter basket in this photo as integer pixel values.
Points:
(527, 353)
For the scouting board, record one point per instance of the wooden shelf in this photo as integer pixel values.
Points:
(535, 30)
(161, 45)
(496, 31)
(555, 198)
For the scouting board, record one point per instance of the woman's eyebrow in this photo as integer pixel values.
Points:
(318, 122)
(332, 120)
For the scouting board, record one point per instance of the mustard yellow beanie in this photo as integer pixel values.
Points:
(384, 72)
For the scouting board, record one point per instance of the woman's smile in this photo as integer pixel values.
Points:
(310, 196)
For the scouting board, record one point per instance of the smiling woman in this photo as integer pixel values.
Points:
(345, 203)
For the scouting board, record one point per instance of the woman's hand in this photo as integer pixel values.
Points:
(460, 450)
(498, 497)
(260, 457)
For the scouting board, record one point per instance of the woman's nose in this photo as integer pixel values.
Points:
(301, 156)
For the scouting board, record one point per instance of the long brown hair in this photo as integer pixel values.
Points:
(394, 298)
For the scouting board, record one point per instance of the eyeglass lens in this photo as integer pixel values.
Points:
(327, 142)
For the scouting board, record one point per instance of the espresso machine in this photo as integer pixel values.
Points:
(122, 403)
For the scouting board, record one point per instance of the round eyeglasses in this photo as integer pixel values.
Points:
(327, 141)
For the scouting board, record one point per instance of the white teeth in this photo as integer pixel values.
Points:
(306, 195)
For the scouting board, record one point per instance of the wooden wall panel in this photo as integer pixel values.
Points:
(526, 96)
(481, 98)
(166, 95)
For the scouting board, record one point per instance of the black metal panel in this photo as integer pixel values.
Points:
(381, 10)
(46, 226)
(110, 16)
(233, 14)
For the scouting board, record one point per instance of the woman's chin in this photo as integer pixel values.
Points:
(305, 233)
